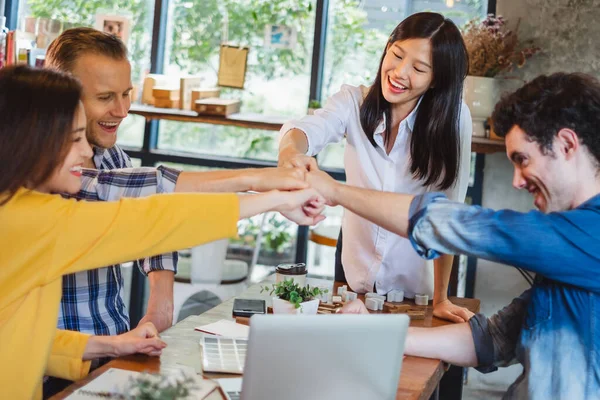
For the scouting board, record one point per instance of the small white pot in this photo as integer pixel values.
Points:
(285, 307)
(480, 94)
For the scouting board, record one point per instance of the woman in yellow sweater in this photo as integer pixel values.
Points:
(42, 148)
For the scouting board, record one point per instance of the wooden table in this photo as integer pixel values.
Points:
(419, 378)
(266, 122)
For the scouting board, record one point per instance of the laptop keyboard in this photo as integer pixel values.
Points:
(234, 395)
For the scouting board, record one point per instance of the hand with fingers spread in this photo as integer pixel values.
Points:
(451, 312)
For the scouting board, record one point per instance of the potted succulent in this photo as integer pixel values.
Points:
(291, 298)
(492, 50)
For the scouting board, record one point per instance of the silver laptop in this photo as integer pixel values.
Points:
(324, 357)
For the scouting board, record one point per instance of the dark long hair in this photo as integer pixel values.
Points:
(37, 108)
(435, 140)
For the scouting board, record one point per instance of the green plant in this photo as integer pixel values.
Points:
(277, 236)
(159, 387)
(292, 292)
(314, 104)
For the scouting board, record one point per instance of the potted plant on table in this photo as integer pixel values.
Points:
(291, 298)
(492, 50)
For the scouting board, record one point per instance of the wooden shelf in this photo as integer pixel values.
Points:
(487, 146)
(243, 120)
(266, 122)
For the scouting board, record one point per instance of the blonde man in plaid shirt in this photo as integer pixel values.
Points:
(92, 301)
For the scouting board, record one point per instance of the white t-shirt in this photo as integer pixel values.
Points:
(370, 254)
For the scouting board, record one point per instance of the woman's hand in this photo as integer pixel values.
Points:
(325, 185)
(307, 163)
(143, 339)
(354, 307)
(303, 207)
(451, 312)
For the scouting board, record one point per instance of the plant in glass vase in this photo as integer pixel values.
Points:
(493, 49)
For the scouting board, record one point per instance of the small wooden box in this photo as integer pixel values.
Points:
(166, 93)
(217, 106)
(207, 93)
(166, 103)
(186, 86)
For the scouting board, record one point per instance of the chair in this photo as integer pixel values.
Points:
(321, 255)
(205, 278)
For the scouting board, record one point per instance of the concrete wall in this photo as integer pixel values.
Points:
(568, 32)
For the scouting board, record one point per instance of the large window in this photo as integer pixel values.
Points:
(277, 80)
(48, 18)
(358, 31)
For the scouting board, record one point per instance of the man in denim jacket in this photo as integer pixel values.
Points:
(550, 126)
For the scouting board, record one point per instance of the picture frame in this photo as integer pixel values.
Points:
(280, 37)
(232, 66)
(118, 25)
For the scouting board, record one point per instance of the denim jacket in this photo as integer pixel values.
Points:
(553, 330)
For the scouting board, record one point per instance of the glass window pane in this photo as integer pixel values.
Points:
(198, 27)
(219, 140)
(50, 18)
(131, 131)
(358, 30)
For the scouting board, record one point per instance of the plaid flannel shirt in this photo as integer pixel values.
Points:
(92, 301)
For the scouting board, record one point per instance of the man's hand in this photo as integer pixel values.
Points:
(354, 307)
(303, 207)
(143, 339)
(325, 185)
(265, 179)
(450, 312)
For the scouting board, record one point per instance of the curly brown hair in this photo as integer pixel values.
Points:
(550, 103)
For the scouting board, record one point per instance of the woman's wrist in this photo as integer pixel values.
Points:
(101, 346)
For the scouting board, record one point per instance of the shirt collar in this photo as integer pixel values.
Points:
(409, 120)
(98, 156)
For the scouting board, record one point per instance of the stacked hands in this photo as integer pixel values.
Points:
(320, 189)
(306, 188)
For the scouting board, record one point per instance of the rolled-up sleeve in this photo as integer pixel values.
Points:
(496, 338)
(327, 125)
(562, 246)
(66, 356)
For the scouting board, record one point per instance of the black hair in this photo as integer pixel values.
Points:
(435, 140)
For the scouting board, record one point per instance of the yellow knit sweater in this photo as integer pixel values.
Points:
(45, 236)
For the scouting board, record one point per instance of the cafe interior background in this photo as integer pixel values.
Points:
(322, 44)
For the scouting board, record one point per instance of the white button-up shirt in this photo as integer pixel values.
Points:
(370, 254)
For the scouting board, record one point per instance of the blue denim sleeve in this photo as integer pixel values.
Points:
(563, 246)
(496, 338)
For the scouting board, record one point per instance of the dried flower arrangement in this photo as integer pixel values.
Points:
(494, 49)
